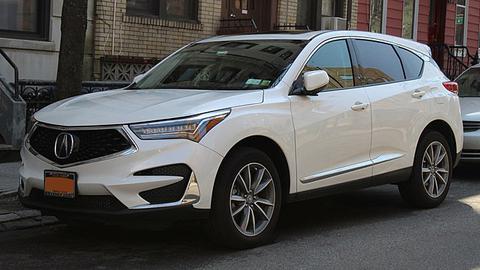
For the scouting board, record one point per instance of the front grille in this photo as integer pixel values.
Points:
(470, 126)
(170, 193)
(89, 144)
(82, 202)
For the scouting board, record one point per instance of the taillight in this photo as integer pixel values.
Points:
(451, 86)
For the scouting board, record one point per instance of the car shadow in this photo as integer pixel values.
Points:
(303, 223)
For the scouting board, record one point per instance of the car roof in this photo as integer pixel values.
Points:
(309, 35)
(293, 35)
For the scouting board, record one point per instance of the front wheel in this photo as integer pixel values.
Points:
(432, 172)
(247, 200)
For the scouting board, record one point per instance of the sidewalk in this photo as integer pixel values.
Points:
(13, 216)
(8, 178)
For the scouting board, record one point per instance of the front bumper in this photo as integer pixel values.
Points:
(115, 177)
(471, 146)
(125, 215)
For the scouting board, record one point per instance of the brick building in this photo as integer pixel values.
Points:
(450, 27)
(131, 35)
(126, 37)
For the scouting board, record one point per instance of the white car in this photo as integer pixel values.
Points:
(232, 127)
(469, 87)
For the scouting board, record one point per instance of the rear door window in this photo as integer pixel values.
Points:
(378, 63)
(412, 64)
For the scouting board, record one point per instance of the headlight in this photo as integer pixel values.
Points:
(192, 128)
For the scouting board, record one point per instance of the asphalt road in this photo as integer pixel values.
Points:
(369, 229)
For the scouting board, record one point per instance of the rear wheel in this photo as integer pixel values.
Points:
(432, 171)
(247, 200)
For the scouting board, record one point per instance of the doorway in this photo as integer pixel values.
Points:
(244, 16)
(436, 29)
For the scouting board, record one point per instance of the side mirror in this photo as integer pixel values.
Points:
(138, 77)
(313, 80)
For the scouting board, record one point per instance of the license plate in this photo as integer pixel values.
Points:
(60, 184)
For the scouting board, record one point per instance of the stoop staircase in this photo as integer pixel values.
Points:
(12, 116)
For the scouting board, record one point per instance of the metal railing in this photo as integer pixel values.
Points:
(234, 26)
(38, 94)
(453, 60)
(16, 93)
(291, 27)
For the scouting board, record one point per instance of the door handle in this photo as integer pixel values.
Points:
(418, 94)
(359, 106)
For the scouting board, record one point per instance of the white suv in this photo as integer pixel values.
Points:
(232, 127)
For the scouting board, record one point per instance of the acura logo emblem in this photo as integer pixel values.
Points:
(64, 144)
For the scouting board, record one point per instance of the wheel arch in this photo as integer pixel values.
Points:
(445, 129)
(273, 150)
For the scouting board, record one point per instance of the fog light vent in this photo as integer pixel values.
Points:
(170, 193)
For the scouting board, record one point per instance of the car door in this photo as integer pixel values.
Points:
(332, 128)
(397, 102)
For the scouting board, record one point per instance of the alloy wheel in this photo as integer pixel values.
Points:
(435, 169)
(252, 199)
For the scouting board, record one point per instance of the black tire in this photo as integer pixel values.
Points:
(222, 227)
(414, 191)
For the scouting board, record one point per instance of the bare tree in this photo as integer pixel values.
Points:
(72, 46)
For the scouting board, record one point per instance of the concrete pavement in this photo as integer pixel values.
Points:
(368, 229)
(14, 216)
(8, 178)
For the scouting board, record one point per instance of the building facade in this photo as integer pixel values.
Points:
(30, 34)
(131, 35)
(126, 37)
(450, 27)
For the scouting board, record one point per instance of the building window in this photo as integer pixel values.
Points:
(180, 10)
(143, 7)
(310, 12)
(25, 19)
(376, 16)
(460, 22)
(408, 18)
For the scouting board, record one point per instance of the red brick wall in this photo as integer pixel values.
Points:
(450, 24)
(394, 18)
(363, 15)
(423, 20)
(473, 25)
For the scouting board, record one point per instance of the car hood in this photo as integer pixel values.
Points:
(133, 106)
(470, 107)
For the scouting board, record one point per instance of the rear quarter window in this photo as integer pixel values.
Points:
(412, 64)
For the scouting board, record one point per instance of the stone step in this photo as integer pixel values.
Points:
(8, 153)
(6, 147)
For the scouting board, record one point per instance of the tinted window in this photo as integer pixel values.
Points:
(469, 83)
(412, 64)
(379, 63)
(333, 58)
(228, 65)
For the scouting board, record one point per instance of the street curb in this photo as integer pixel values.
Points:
(8, 194)
(27, 223)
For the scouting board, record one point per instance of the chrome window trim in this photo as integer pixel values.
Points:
(133, 146)
(349, 168)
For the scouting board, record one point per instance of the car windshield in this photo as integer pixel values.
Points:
(469, 83)
(226, 65)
